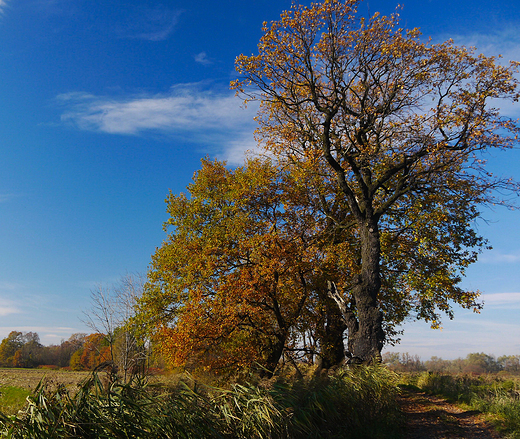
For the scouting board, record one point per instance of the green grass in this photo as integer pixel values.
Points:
(12, 399)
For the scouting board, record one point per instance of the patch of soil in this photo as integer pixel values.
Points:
(430, 417)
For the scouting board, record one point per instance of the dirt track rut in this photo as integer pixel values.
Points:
(430, 417)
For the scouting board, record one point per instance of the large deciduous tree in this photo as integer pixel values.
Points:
(400, 125)
(229, 285)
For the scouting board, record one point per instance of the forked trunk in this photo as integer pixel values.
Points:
(362, 316)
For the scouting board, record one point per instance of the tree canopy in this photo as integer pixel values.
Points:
(401, 125)
(229, 285)
(363, 214)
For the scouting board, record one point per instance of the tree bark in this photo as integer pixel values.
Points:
(332, 352)
(363, 319)
(367, 341)
(273, 357)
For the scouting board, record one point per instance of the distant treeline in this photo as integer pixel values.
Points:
(474, 363)
(80, 352)
(89, 351)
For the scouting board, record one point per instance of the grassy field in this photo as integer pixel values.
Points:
(29, 378)
(361, 401)
(17, 384)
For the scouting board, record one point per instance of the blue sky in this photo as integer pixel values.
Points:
(105, 106)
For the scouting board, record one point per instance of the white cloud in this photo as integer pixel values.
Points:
(6, 309)
(11, 287)
(503, 41)
(507, 300)
(236, 150)
(7, 306)
(7, 197)
(218, 120)
(495, 257)
(3, 4)
(202, 58)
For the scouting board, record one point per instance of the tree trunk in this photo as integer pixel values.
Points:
(273, 356)
(366, 342)
(332, 351)
(363, 319)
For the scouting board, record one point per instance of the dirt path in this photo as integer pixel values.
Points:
(430, 417)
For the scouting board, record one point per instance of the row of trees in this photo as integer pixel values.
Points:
(362, 212)
(475, 363)
(79, 352)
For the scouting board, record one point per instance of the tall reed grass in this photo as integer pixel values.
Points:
(358, 403)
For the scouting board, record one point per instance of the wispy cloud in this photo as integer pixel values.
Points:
(8, 196)
(504, 42)
(149, 23)
(5, 197)
(495, 257)
(10, 287)
(3, 4)
(5, 309)
(197, 115)
(508, 300)
(8, 307)
(202, 58)
(498, 41)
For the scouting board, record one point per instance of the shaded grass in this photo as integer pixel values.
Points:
(358, 403)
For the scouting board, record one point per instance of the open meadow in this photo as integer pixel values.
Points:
(16, 384)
